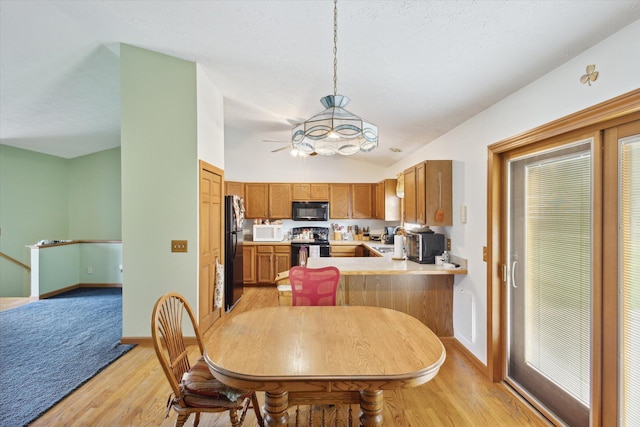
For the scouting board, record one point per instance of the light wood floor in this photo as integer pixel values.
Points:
(133, 392)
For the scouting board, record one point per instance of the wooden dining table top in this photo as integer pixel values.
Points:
(323, 349)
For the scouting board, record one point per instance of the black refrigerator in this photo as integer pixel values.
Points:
(233, 222)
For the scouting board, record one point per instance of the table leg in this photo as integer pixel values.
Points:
(275, 408)
(371, 408)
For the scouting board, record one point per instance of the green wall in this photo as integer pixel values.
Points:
(159, 182)
(95, 205)
(48, 197)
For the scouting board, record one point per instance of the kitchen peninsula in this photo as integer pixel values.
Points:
(424, 291)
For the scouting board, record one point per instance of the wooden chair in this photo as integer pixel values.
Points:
(314, 286)
(195, 389)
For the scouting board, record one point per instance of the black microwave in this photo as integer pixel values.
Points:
(310, 211)
(423, 247)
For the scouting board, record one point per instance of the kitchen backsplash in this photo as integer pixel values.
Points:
(376, 226)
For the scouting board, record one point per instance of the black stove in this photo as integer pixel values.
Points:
(309, 236)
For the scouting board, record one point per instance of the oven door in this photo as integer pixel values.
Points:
(295, 250)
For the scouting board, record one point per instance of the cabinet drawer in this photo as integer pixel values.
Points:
(342, 250)
(282, 249)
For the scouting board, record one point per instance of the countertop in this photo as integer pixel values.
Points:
(352, 266)
(248, 241)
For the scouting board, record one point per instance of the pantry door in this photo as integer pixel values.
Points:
(548, 276)
(211, 245)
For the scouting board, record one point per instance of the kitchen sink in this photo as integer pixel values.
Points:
(383, 249)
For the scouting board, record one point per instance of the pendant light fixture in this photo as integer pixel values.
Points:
(334, 130)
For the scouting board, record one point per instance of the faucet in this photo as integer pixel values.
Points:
(399, 227)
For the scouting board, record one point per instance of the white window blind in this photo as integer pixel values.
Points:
(630, 281)
(558, 266)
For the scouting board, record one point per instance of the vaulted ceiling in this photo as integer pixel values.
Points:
(415, 68)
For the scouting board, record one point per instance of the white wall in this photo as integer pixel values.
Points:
(553, 96)
(210, 112)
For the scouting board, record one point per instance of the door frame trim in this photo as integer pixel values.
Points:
(613, 112)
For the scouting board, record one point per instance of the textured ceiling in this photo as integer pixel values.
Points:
(415, 68)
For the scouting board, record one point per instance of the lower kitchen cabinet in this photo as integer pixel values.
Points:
(346, 251)
(249, 265)
(271, 260)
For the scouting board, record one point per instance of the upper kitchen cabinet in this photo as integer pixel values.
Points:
(361, 201)
(263, 200)
(232, 188)
(350, 201)
(256, 200)
(280, 201)
(387, 202)
(339, 203)
(410, 195)
(428, 193)
(438, 192)
(310, 192)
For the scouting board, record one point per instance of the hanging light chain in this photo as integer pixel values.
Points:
(335, 47)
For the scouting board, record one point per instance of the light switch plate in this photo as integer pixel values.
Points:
(179, 246)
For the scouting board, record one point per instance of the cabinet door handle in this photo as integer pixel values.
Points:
(513, 274)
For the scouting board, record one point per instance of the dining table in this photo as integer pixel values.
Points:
(323, 355)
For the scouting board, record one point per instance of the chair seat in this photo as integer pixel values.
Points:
(201, 389)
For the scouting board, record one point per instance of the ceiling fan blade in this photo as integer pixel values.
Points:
(280, 149)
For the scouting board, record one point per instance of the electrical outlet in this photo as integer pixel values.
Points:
(484, 253)
(448, 244)
(178, 246)
(90, 270)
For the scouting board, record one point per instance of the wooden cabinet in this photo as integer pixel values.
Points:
(420, 193)
(350, 201)
(339, 201)
(438, 192)
(387, 202)
(232, 188)
(263, 200)
(427, 189)
(270, 260)
(310, 192)
(410, 195)
(256, 200)
(361, 201)
(346, 251)
(249, 265)
(280, 201)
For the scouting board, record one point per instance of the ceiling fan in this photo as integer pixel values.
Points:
(287, 146)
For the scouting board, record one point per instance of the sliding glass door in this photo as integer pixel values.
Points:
(564, 265)
(621, 273)
(548, 277)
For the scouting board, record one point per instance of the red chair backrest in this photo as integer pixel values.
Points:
(314, 286)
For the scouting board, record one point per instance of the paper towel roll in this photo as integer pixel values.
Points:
(398, 244)
(314, 251)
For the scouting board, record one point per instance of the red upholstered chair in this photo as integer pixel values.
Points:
(194, 388)
(314, 286)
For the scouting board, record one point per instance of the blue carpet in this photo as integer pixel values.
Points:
(51, 347)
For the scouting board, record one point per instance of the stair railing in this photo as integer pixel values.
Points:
(15, 261)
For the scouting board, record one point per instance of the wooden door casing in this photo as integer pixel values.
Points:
(211, 244)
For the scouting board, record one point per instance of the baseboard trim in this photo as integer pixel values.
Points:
(472, 357)
(77, 286)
